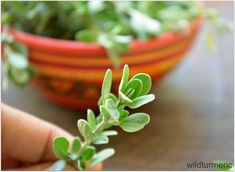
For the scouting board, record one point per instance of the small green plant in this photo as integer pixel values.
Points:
(132, 93)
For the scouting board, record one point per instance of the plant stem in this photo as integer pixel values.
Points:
(100, 127)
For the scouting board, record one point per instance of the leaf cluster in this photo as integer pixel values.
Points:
(133, 93)
(112, 24)
(16, 67)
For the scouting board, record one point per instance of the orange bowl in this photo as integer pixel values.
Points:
(70, 73)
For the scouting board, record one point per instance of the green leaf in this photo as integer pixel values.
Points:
(136, 85)
(85, 36)
(113, 97)
(101, 139)
(146, 82)
(124, 98)
(106, 86)
(123, 114)
(112, 109)
(104, 112)
(20, 77)
(60, 147)
(20, 48)
(81, 165)
(91, 119)
(140, 101)
(124, 79)
(110, 133)
(88, 153)
(57, 166)
(17, 60)
(101, 156)
(85, 129)
(134, 122)
(76, 145)
(143, 25)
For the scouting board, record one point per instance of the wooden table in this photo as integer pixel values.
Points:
(191, 120)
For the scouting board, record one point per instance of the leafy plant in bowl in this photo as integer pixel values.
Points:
(132, 93)
(70, 45)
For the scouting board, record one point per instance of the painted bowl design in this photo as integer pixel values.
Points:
(70, 73)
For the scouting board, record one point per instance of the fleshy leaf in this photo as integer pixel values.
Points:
(85, 129)
(88, 153)
(134, 122)
(124, 98)
(101, 156)
(110, 133)
(140, 101)
(60, 147)
(136, 85)
(106, 86)
(76, 145)
(124, 79)
(101, 139)
(123, 114)
(112, 109)
(91, 119)
(146, 82)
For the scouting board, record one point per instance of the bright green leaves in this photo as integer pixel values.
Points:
(88, 153)
(112, 110)
(134, 122)
(140, 101)
(85, 130)
(60, 147)
(146, 82)
(124, 79)
(101, 139)
(101, 156)
(91, 119)
(114, 44)
(133, 93)
(76, 145)
(106, 86)
(16, 67)
(143, 25)
(86, 36)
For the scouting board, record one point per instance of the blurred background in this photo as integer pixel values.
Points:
(191, 120)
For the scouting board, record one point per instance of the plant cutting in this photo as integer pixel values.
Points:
(71, 44)
(133, 93)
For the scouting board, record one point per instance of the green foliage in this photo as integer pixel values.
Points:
(134, 122)
(16, 67)
(60, 147)
(101, 156)
(76, 145)
(112, 113)
(112, 24)
(85, 129)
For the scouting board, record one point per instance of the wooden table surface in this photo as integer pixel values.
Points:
(191, 120)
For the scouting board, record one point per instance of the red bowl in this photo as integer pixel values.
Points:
(70, 73)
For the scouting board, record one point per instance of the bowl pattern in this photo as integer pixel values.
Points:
(70, 73)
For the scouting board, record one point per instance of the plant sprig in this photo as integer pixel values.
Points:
(17, 68)
(132, 93)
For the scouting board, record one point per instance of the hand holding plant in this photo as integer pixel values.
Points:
(132, 93)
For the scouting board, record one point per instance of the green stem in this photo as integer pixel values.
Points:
(100, 127)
